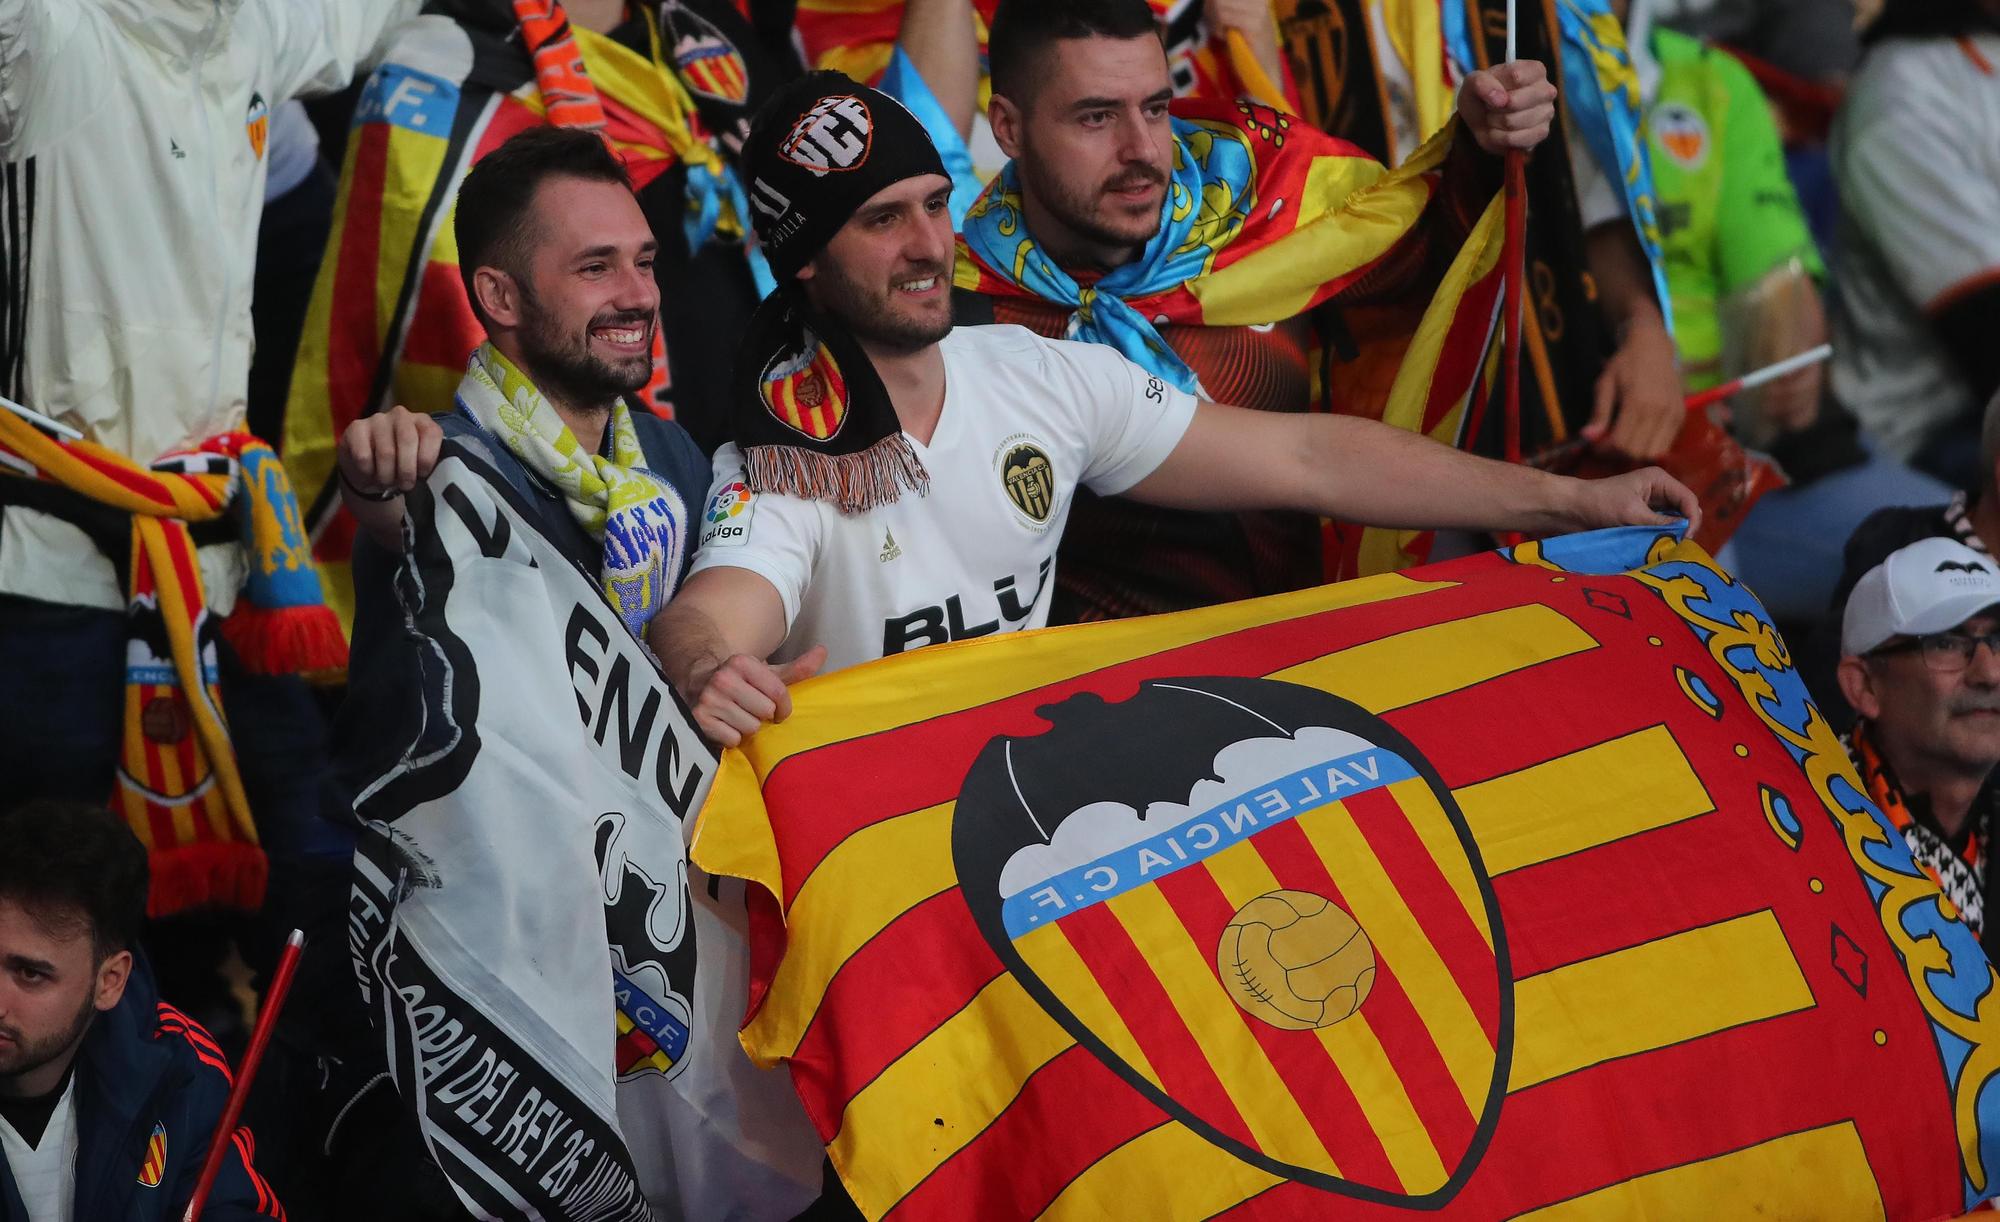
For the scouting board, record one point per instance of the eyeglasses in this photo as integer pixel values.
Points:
(1944, 651)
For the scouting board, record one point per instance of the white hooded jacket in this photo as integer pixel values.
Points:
(133, 136)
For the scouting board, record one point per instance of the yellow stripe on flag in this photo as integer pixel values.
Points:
(1413, 27)
(1395, 671)
(426, 387)
(870, 879)
(1434, 829)
(860, 701)
(1659, 993)
(1048, 953)
(745, 847)
(1206, 1179)
(1760, 1181)
(1583, 800)
(909, 1127)
(1278, 1126)
(1350, 213)
(864, 63)
(309, 441)
(1243, 876)
(412, 165)
(1401, 944)
(810, 9)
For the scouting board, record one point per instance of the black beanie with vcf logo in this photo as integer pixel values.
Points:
(817, 151)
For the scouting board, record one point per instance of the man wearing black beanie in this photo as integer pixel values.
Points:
(894, 482)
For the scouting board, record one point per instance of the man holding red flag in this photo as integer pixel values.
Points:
(1112, 225)
(896, 482)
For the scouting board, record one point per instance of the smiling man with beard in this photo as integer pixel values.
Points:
(1920, 645)
(557, 262)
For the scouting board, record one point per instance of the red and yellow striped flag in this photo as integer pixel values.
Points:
(1527, 885)
(858, 37)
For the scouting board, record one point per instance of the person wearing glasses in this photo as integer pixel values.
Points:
(1920, 664)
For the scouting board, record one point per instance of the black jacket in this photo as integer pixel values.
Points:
(147, 1069)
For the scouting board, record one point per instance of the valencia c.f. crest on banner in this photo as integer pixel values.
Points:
(1258, 826)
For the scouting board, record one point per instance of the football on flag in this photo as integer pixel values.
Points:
(1528, 885)
(1295, 960)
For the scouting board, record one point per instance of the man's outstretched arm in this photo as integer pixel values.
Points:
(714, 639)
(1368, 472)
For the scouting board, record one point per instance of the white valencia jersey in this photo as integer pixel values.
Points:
(1025, 420)
(1916, 150)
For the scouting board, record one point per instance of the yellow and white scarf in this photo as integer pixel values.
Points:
(635, 514)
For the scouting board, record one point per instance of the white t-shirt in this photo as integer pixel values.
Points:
(1916, 150)
(45, 1173)
(1025, 420)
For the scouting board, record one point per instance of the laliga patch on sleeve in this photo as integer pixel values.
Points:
(726, 520)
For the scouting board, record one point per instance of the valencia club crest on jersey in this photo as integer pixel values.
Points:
(1682, 134)
(257, 125)
(1028, 478)
(154, 1167)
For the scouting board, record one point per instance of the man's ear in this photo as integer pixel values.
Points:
(112, 974)
(1006, 119)
(1857, 684)
(499, 296)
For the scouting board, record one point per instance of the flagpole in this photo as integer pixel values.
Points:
(267, 1020)
(1706, 398)
(1756, 378)
(1514, 259)
(36, 418)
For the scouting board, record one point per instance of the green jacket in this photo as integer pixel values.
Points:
(1728, 214)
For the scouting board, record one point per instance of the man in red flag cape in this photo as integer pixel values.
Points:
(1218, 247)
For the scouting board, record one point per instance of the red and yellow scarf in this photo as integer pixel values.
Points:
(177, 784)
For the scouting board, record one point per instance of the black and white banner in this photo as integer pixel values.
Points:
(557, 1073)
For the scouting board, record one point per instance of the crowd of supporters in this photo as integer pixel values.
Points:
(249, 247)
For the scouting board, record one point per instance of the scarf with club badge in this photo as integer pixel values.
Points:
(809, 412)
(635, 514)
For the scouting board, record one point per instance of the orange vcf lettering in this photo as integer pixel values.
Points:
(834, 135)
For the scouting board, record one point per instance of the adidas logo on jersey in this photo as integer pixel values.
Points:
(889, 549)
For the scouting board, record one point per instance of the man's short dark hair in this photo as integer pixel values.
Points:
(1921, 19)
(1023, 30)
(491, 220)
(64, 858)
